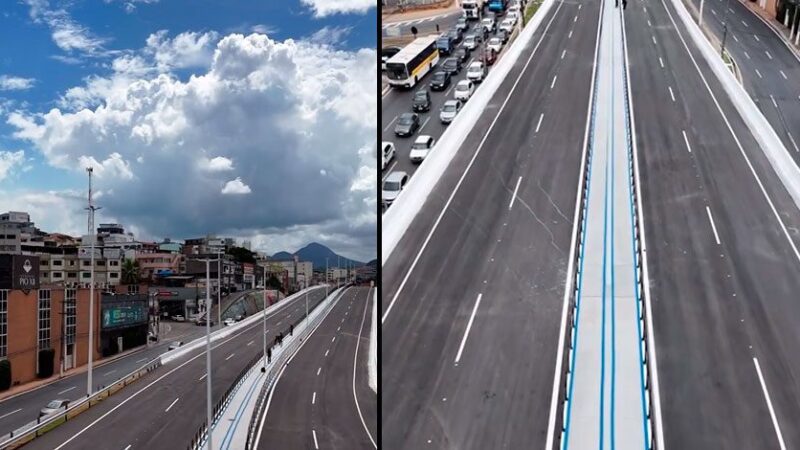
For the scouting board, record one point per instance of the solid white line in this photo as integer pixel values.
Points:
(316, 445)
(386, 91)
(385, 129)
(563, 53)
(466, 171)
(713, 227)
(67, 390)
(230, 356)
(759, 74)
(389, 170)
(447, 93)
(671, 94)
(768, 55)
(314, 398)
(569, 280)
(355, 360)
(141, 360)
(769, 404)
(553, 83)
(539, 124)
(661, 61)
(686, 139)
(469, 325)
(319, 370)
(10, 413)
(425, 123)
(514, 195)
(783, 75)
(172, 404)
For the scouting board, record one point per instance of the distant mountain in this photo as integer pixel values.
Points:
(316, 253)
(373, 263)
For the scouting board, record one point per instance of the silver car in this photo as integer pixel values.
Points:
(450, 110)
(53, 407)
(392, 186)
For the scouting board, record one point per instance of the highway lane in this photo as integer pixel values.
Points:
(398, 101)
(722, 263)
(770, 71)
(469, 343)
(166, 407)
(314, 396)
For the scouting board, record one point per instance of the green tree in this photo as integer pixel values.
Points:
(242, 255)
(130, 272)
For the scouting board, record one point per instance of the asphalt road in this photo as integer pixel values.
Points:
(425, 25)
(487, 289)
(167, 406)
(398, 101)
(770, 71)
(315, 397)
(723, 270)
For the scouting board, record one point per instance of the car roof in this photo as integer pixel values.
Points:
(396, 176)
(407, 114)
(423, 138)
(476, 64)
(451, 102)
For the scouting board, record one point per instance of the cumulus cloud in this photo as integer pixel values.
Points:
(323, 8)
(285, 112)
(9, 161)
(187, 49)
(236, 187)
(8, 83)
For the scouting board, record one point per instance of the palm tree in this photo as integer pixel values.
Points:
(130, 272)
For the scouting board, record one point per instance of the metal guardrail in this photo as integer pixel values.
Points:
(272, 373)
(17, 439)
(199, 439)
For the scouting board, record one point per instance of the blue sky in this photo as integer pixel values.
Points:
(68, 66)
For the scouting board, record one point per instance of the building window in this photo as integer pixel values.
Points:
(133, 289)
(70, 301)
(113, 263)
(3, 324)
(43, 262)
(86, 263)
(101, 262)
(71, 262)
(44, 318)
(86, 275)
(58, 262)
(72, 275)
(114, 275)
(57, 275)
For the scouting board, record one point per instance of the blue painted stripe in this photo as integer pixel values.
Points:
(226, 442)
(613, 278)
(603, 322)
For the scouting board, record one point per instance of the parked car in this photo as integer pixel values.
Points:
(229, 321)
(495, 44)
(421, 101)
(407, 124)
(175, 345)
(470, 42)
(449, 110)
(422, 146)
(451, 66)
(179, 318)
(462, 54)
(508, 24)
(488, 24)
(392, 186)
(440, 80)
(388, 153)
(461, 24)
(386, 53)
(53, 407)
(476, 71)
(464, 90)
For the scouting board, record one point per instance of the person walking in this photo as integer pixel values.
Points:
(291, 329)
(269, 355)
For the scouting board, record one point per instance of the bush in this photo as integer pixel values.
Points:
(46, 362)
(5, 374)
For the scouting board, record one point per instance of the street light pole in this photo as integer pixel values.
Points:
(92, 238)
(208, 352)
(219, 289)
(326, 277)
(264, 315)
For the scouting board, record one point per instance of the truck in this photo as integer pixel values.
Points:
(472, 9)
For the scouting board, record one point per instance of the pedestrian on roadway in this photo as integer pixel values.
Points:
(269, 355)
(291, 329)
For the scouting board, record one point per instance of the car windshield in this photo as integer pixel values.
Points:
(396, 71)
(438, 76)
(405, 119)
(450, 62)
(391, 186)
(421, 96)
(474, 68)
(54, 404)
(443, 42)
(449, 107)
(420, 145)
(494, 41)
(462, 87)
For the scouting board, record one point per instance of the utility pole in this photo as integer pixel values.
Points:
(264, 314)
(92, 238)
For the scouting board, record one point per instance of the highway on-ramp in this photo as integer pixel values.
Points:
(472, 298)
(313, 404)
(165, 408)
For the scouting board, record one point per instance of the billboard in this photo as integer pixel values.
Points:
(119, 311)
(19, 272)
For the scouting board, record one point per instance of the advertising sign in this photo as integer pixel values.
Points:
(117, 315)
(19, 272)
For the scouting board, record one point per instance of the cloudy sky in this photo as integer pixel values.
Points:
(244, 118)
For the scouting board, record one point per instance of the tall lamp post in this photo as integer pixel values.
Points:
(219, 288)
(92, 237)
(209, 417)
(326, 277)
(264, 321)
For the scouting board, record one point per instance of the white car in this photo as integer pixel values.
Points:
(495, 44)
(488, 24)
(179, 318)
(422, 146)
(470, 42)
(229, 321)
(464, 90)
(476, 71)
(508, 24)
(512, 14)
(54, 407)
(393, 184)
(450, 110)
(388, 153)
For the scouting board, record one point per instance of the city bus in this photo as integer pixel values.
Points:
(411, 63)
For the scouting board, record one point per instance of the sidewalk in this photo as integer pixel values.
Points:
(775, 24)
(421, 12)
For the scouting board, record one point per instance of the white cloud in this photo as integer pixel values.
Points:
(285, 112)
(8, 83)
(56, 211)
(216, 164)
(330, 35)
(67, 34)
(263, 29)
(130, 5)
(8, 162)
(236, 187)
(324, 8)
(188, 49)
